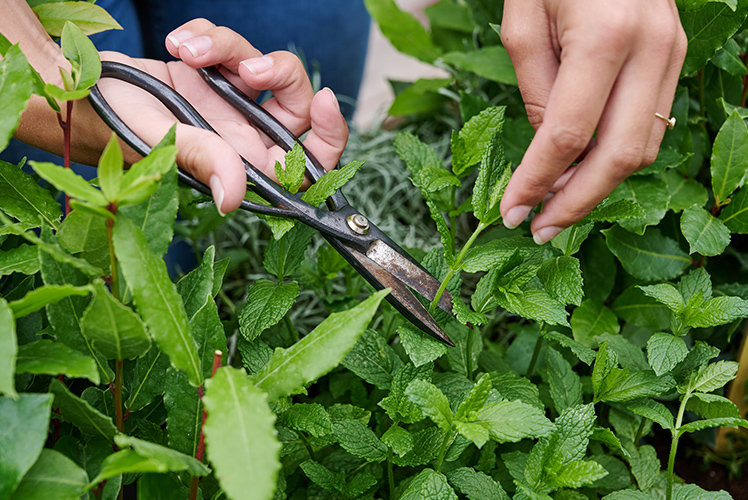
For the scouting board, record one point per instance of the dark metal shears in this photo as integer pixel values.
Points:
(371, 252)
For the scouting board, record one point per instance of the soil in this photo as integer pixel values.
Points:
(692, 468)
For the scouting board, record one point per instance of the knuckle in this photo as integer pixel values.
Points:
(535, 114)
(570, 139)
(650, 155)
(627, 160)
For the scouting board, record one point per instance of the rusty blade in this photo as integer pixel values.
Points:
(409, 273)
(400, 297)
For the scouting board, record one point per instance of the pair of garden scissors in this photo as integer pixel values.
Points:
(371, 252)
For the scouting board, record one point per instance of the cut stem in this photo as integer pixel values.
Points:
(200, 451)
(536, 352)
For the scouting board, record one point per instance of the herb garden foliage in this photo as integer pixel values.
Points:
(568, 354)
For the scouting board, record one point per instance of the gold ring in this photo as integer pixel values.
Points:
(670, 121)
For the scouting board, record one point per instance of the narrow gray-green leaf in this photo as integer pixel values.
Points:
(84, 58)
(88, 17)
(80, 413)
(25, 200)
(69, 182)
(43, 296)
(8, 350)
(729, 150)
(156, 298)
(240, 436)
(16, 89)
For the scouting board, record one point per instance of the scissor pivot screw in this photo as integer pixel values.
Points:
(358, 223)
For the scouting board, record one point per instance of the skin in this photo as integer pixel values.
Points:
(585, 67)
(213, 160)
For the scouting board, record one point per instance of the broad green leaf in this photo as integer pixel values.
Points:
(397, 404)
(713, 376)
(329, 183)
(280, 226)
(23, 431)
(491, 62)
(357, 439)
(428, 485)
(291, 175)
(565, 385)
(476, 485)
(147, 382)
(156, 298)
(684, 192)
(403, 30)
(569, 442)
(420, 347)
(400, 440)
(562, 279)
(705, 233)
(607, 437)
(605, 361)
(700, 354)
(474, 137)
(373, 360)
(16, 89)
(570, 240)
(80, 413)
(728, 57)
(255, 355)
(184, 411)
(415, 153)
(291, 370)
(613, 211)
(465, 315)
(667, 158)
(422, 96)
(707, 29)
(664, 351)
(240, 435)
(53, 477)
(496, 253)
(691, 491)
(84, 58)
(512, 421)
(700, 425)
(173, 460)
(45, 357)
(88, 17)
(653, 410)
(43, 296)
(8, 350)
(651, 256)
(712, 406)
(69, 182)
(85, 235)
(535, 304)
(432, 403)
(592, 319)
(267, 303)
(716, 311)
(310, 418)
(727, 165)
(638, 309)
(196, 287)
(114, 329)
(127, 462)
(24, 199)
(650, 193)
(629, 354)
(514, 388)
(493, 177)
(629, 494)
(735, 214)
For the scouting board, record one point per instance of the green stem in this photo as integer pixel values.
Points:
(281, 261)
(114, 284)
(308, 447)
(453, 218)
(390, 474)
(640, 430)
(454, 268)
(226, 300)
(469, 353)
(118, 396)
(536, 352)
(291, 330)
(448, 437)
(674, 446)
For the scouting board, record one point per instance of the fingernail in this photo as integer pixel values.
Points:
(334, 98)
(258, 65)
(546, 234)
(198, 46)
(216, 188)
(178, 38)
(516, 215)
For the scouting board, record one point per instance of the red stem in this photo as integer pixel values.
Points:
(200, 451)
(66, 130)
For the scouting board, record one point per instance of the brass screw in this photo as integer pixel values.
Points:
(358, 224)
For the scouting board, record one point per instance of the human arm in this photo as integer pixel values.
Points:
(588, 67)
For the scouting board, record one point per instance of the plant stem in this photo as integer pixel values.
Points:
(448, 437)
(469, 353)
(200, 451)
(640, 430)
(291, 330)
(66, 129)
(118, 395)
(536, 352)
(390, 474)
(674, 446)
(454, 268)
(114, 285)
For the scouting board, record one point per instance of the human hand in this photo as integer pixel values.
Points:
(585, 66)
(215, 160)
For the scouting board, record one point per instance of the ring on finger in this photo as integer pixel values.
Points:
(670, 121)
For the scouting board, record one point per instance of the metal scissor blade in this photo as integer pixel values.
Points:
(409, 272)
(400, 297)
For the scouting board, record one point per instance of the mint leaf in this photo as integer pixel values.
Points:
(591, 320)
(476, 485)
(644, 465)
(475, 137)
(653, 410)
(322, 476)
(712, 406)
(329, 183)
(570, 240)
(356, 438)
(700, 425)
(432, 179)
(400, 440)
(512, 421)
(621, 385)
(267, 303)
(648, 257)
(535, 304)
(716, 311)
(706, 235)
(291, 176)
(308, 417)
(428, 485)
(373, 360)
(421, 347)
(638, 309)
(291, 370)
(240, 435)
(415, 153)
(397, 404)
(493, 177)
(432, 403)
(665, 351)
(562, 279)
(713, 376)
(577, 474)
(667, 294)
(476, 398)
(565, 384)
